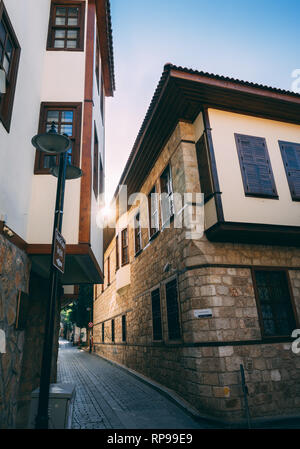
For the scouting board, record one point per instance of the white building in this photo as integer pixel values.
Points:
(58, 60)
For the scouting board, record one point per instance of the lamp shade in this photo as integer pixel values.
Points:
(51, 142)
(72, 172)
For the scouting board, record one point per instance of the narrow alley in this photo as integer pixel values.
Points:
(107, 397)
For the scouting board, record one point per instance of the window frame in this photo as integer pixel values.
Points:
(237, 136)
(160, 310)
(52, 27)
(124, 328)
(124, 262)
(117, 253)
(108, 270)
(77, 110)
(152, 213)
(103, 332)
(170, 195)
(258, 302)
(282, 143)
(7, 100)
(138, 244)
(178, 338)
(113, 330)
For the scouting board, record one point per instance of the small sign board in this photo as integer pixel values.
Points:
(203, 313)
(91, 325)
(59, 253)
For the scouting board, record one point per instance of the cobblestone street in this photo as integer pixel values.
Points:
(109, 398)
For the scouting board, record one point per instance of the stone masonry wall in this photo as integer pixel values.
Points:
(14, 276)
(204, 366)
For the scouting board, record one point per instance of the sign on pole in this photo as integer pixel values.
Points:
(91, 325)
(59, 252)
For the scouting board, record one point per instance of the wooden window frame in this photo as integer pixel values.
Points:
(166, 221)
(204, 168)
(123, 260)
(117, 253)
(39, 155)
(80, 27)
(124, 329)
(138, 246)
(113, 330)
(282, 143)
(243, 171)
(96, 164)
(179, 337)
(160, 310)
(151, 213)
(258, 304)
(7, 100)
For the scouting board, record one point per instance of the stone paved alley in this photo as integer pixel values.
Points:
(107, 397)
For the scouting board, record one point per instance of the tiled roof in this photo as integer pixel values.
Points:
(110, 45)
(167, 68)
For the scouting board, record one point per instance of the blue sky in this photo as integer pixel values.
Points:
(255, 40)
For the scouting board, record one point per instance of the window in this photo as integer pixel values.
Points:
(112, 330)
(205, 174)
(102, 332)
(67, 120)
(291, 158)
(274, 302)
(102, 288)
(153, 212)
(137, 233)
(255, 166)
(117, 253)
(172, 310)
(167, 207)
(156, 315)
(66, 26)
(123, 328)
(9, 62)
(96, 164)
(124, 238)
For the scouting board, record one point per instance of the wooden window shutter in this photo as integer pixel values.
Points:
(255, 166)
(291, 159)
(204, 168)
(156, 315)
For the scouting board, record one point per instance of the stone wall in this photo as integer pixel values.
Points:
(204, 366)
(14, 276)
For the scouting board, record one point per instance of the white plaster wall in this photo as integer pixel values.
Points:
(17, 153)
(237, 207)
(63, 81)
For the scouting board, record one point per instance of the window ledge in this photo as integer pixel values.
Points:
(153, 236)
(138, 252)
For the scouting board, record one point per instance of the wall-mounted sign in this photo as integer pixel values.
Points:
(203, 313)
(59, 252)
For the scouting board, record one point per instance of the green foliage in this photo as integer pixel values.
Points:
(78, 314)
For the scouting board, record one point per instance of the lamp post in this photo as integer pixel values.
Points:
(53, 143)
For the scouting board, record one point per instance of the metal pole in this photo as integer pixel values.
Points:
(245, 391)
(42, 417)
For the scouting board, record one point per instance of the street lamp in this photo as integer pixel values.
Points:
(53, 143)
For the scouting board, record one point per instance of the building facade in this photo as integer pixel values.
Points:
(58, 62)
(188, 308)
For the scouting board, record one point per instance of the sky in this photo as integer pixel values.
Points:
(255, 40)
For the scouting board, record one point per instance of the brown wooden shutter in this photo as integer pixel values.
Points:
(156, 315)
(172, 310)
(255, 166)
(204, 168)
(291, 158)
